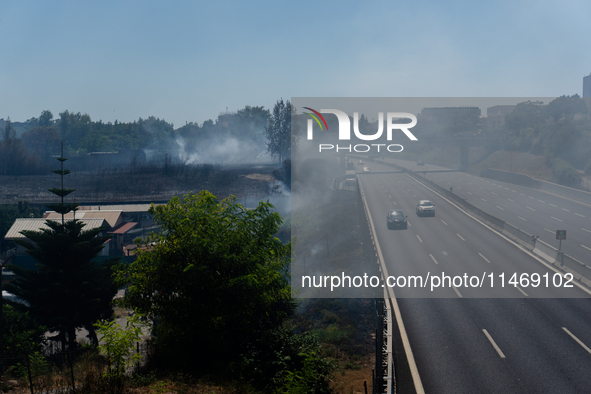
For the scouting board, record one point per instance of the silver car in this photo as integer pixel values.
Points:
(425, 208)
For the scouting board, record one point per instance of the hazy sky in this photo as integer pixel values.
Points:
(189, 60)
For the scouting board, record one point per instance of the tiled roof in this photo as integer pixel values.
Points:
(35, 224)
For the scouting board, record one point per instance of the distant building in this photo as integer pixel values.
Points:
(496, 115)
(587, 86)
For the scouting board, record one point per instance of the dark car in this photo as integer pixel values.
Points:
(425, 208)
(396, 219)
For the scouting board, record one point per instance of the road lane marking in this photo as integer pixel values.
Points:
(408, 223)
(522, 218)
(530, 208)
(542, 201)
(586, 247)
(444, 222)
(460, 237)
(394, 202)
(552, 205)
(578, 214)
(522, 292)
(485, 259)
(492, 341)
(514, 191)
(584, 229)
(576, 339)
(480, 187)
(506, 188)
(522, 194)
(389, 196)
(433, 258)
(556, 218)
(457, 292)
(494, 193)
(565, 210)
(510, 200)
(550, 231)
(482, 199)
(420, 240)
(415, 195)
(502, 209)
(469, 193)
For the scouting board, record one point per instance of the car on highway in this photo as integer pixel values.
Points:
(366, 169)
(396, 219)
(425, 208)
(360, 161)
(420, 163)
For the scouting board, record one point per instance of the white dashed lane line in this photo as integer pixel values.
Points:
(522, 292)
(492, 341)
(577, 340)
(552, 205)
(460, 237)
(525, 220)
(420, 240)
(586, 247)
(542, 201)
(530, 208)
(564, 209)
(433, 258)
(494, 193)
(482, 199)
(485, 259)
(556, 218)
(550, 231)
(510, 200)
(578, 214)
(502, 209)
(584, 229)
(457, 292)
(444, 222)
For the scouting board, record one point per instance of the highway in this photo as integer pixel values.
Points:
(488, 339)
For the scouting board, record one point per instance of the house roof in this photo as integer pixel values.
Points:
(113, 218)
(124, 228)
(36, 224)
(122, 207)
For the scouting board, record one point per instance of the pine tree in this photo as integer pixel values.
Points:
(68, 290)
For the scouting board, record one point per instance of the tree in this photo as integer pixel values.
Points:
(215, 279)
(42, 141)
(278, 130)
(67, 290)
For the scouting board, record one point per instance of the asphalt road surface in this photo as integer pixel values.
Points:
(490, 338)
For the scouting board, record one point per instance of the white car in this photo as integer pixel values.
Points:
(425, 208)
(366, 169)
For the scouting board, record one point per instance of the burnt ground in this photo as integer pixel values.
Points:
(143, 184)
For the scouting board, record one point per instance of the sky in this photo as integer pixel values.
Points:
(188, 61)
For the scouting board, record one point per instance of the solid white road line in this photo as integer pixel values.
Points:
(485, 259)
(577, 339)
(433, 258)
(492, 341)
